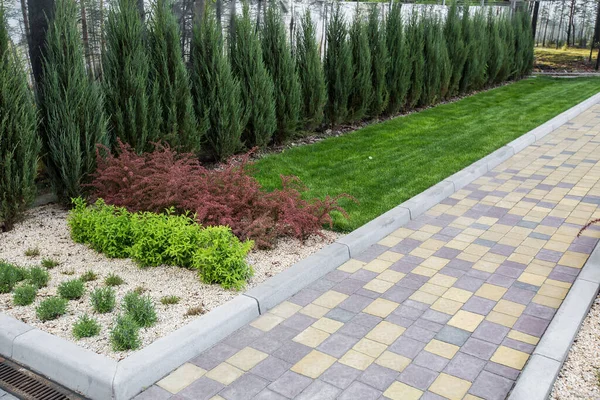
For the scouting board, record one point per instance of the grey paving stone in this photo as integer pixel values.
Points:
(372, 253)
(526, 286)
(340, 375)
(420, 334)
(354, 330)
(319, 390)
(517, 295)
(436, 316)
(339, 314)
(549, 255)
(202, 389)
(540, 311)
(358, 390)
(431, 361)
(152, 393)
(502, 370)
(407, 347)
(406, 245)
(416, 304)
(291, 352)
(429, 325)
(290, 384)
(469, 283)
(531, 325)
(266, 344)
(336, 276)
(518, 345)
(447, 252)
(271, 368)
(367, 293)
(367, 320)
(267, 394)
(418, 377)
(491, 332)
(474, 273)
(500, 280)
(398, 294)
(378, 377)
(348, 286)
(431, 396)
(490, 386)
(337, 344)
(244, 388)
(479, 305)
(214, 356)
(280, 333)
(363, 275)
(298, 322)
(479, 348)
(502, 249)
(465, 366)
(510, 272)
(456, 273)
(408, 312)
(450, 334)
(410, 281)
(305, 296)
(322, 285)
(485, 243)
(459, 264)
(400, 321)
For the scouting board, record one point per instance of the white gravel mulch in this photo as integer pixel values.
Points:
(46, 229)
(578, 378)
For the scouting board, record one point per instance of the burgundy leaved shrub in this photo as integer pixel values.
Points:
(230, 196)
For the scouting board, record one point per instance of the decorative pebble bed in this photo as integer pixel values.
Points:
(579, 377)
(45, 229)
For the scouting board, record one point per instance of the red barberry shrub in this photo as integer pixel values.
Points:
(230, 196)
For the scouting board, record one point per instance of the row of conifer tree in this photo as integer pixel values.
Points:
(251, 88)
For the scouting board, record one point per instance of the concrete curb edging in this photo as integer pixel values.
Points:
(537, 378)
(98, 377)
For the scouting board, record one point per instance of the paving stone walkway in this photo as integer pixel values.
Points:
(448, 307)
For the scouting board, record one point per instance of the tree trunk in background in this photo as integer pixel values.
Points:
(39, 10)
(562, 13)
(595, 37)
(86, 39)
(536, 10)
(570, 27)
(198, 10)
(219, 11)
(25, 22)
(140, 6)
(546, 26)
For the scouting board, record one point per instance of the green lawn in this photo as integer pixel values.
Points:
(385, 164)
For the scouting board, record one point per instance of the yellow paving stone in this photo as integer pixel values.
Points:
(370, 347)
(494, 258)
(224, 373)
(442, 280)
(457, 294)
(217, 397)
(390, 241)
(377, 265)
(286, 309)
(450, 386)
(523, 337)
(315, 311)
(330, 299)
(446, 306)
(377, 285)
(573, 259)
(491, 292)
(463, 237)
(402, 233)
(381, 307)
(476, 249)
(532, 279)
(534, 243)
(560, 284)
(490, 235)
(390, 256)
(471, 397)
(466, 320)
(537, 269)
(246, 358)
(487, 220)
(313, 364)
(520, 258)
(385, 332)
(421, 235)
(526, 251)
(436, 263)
(502, 319)
(510, 357)
(468, 257)
(401, 391)
(433, 289)
(486, 266)
(356, 360)
(391, 276)
(431, 229)
(553, 291)
(457, 244)
(423, 297)
(420, 270)
(311, 337)
(328, 325)
(181, 378)
(351, 266)
(510, 308)
(393, 361)
(421, 252)
(266, 322)
(433, 244)
(442, 349)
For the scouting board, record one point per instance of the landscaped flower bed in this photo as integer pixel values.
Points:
(43, 240)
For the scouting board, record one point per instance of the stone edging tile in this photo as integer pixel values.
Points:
(98, 377)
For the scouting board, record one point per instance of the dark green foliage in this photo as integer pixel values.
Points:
(39, 277)
(178, 124)
(140, 308)
(24, 295)
(436, 63)
(103, 300)
(216, 92)
(338, 68)
(258, 95)
(51, 308)
(49, 263)
(280, 64)
(380, 62)
(169, 300)
(475, 36)
(495, 55)
(361, 92)
(132, 98)
(415, 41)
(10, 275)
(32, 252)
(113, 280)
(89, 276)
(71, 104)
(457, 51)
(85, 326)
(71, 290)
(523, 44)
(19, 144)
(310, 73)
(507, 36)
(125, 334)
(399, 72)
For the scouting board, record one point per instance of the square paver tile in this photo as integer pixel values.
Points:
(466, 320)
(510, 357)
(450, 387)
(418, 377)
(290, 384)
(224, 373)
(340, 375)
(313, 364)
(402, 391)
(247, 358)
(442, 349)
(181, 378)
(465, 367)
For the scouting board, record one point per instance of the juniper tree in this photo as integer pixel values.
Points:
(496, 49)
(256, 84)
(507, 36)
(399, 71)
(132, 97)
(19, 143)
(415, 40)
(280, 64)
(310, 73)
(338, 68)
(376, 36)
(457, 51)
(362, 89)
(523, 44)
(215, 90)
(178, 125)
(432, 53)
(475, 36)
(71, 105)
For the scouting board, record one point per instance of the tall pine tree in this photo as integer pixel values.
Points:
(415, 39)
(361, 92)
(379, 63)
(400, 63)
(19, 143)
(457, 51)
(71, 105)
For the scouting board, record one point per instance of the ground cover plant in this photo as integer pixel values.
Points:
(125, 334)
(51, 308)
(24, 295)
(140, 308)
(368, 164)
(10, 275)
(38, 277)
(71, 290)
(86, 326)
(103, 300)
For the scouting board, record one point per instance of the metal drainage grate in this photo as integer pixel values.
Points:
(28, 386)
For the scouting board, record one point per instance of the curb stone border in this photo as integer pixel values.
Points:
(537, 378)
(99, 377)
